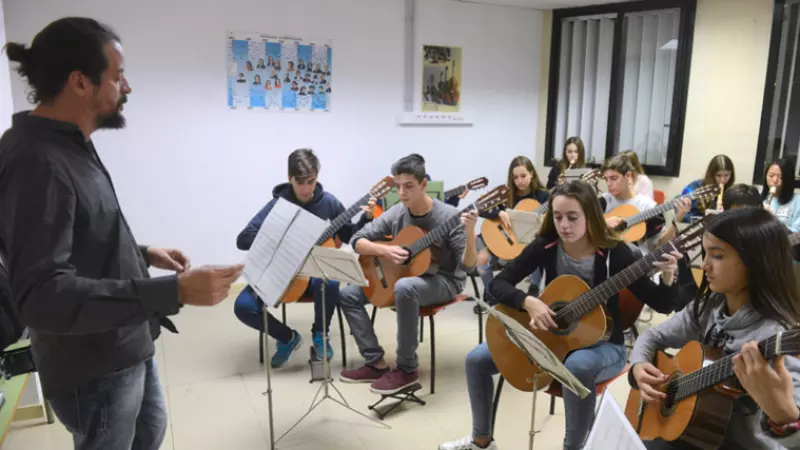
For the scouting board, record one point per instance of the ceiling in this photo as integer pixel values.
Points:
(544, 4)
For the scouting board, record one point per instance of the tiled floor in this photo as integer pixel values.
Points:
(214, 385)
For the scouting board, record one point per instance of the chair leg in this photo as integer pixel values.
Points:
(433, 358)
(342, 333)
(497, 401)
(261, 347)
(475, 286)
(283, 312)
(374, 312)
(552, 404)
(480, 328)
(422, 329)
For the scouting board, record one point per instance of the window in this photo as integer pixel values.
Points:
(779, 135)
(619, 80)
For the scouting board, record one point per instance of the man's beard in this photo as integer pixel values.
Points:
(115, 120)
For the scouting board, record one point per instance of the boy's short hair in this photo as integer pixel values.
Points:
(303, 164)
(741, 195)
(619, 163)
(412, 164)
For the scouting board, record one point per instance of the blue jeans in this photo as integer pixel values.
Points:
(124, 410)
(590, 365)
(249, 309)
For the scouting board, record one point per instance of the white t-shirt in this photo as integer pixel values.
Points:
(641, 203)
(644, 186)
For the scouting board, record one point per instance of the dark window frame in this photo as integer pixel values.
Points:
(769, 88)
(682, 71)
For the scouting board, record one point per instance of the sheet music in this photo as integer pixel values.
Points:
(538, 352)
(611, 429)
(335, 264)
(284, 241)
(525, 225)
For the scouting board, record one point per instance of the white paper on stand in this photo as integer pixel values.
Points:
(538, 352)
(525, 225)
(334, 264)
(612, 429)
(280, 248)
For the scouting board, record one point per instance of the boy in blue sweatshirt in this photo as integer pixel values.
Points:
(304, 191)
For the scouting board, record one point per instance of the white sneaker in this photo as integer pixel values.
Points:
(465, 444)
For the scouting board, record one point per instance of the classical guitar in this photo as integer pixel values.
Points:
(701, 389)
(477, 183)
(580, 314)
(501, 240)
(299, 285)
(633, 227)
(382, 273)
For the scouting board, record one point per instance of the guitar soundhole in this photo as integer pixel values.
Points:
(408, 260)
(669, 404)
(379, 272)
(564, 326)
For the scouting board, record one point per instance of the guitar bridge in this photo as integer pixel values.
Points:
(505, 234)
(381, 274)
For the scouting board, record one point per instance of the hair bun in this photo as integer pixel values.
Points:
(17, 52)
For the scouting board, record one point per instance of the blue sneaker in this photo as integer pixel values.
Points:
(284, 351)
(317, 338)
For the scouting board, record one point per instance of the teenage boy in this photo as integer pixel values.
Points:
(305, 191)
(452, 259)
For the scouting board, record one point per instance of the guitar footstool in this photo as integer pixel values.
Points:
(405, 395)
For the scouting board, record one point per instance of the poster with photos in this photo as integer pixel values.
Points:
(441, 78)
(279, 73)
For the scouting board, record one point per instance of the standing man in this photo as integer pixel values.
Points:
(79, 280)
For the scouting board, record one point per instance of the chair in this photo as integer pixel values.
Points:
(659, 196)
(430, 312)
(283, 313)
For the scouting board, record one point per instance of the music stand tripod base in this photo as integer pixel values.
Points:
(404, 395)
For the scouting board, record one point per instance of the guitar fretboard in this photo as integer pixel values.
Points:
(455, 191)
(343, 218)
(437, 233)
(658, 210)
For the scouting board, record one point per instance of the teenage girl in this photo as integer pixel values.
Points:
(720, 171)
(574, 240)
(572, 157)
(643, 185)
(523, 183)
(778, 193)
(748, 294)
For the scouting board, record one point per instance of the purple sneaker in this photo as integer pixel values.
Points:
(394, 382)
(364, 374)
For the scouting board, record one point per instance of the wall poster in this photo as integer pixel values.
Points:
(441, 78)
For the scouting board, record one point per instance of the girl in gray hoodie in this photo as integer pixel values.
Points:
(748, 295)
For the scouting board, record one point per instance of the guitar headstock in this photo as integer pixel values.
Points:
(691, 236)
(382, 187)
(706, 192)
(478, 183)
(495, 197)
(593, 176)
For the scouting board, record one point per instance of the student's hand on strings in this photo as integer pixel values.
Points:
(668, 266)
(463, 194)
(369, 208)
(207, 285)
(505, 219)
(649, 379)
(541, 315)
(682, 208)
(469, 219)
(614, 222)
(396, 254)
(168, 259)
(770, 387)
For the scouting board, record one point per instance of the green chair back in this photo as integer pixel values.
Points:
(435, 190)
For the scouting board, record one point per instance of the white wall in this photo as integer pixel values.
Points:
(212, 169)
(6, 106)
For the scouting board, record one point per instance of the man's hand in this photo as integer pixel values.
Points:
(395, 253)
(682, 207)
(469, 219)
(207, 285)
(614, 222)
(463, 194)
(168, 259)
(369, 209)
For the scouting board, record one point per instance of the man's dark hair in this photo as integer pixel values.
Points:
(303, 163)
(741, 195)
(62, 47)
(412, 164)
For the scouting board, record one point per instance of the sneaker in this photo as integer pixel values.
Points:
(394, 382)
(364, 374)
(317, 339)
(466, 444)
(284, 351)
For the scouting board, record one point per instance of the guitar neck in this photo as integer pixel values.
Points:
(343, 218)
(437, 233)
(612, 286)
(542, 209)
(718, 372)
(455, 191)
(653, 212)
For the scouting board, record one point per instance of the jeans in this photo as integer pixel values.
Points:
(409, 294)
(249, 309)
(124, 410)
(590, 365)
